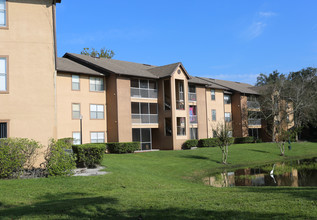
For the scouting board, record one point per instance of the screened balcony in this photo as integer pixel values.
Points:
(144, 113)
(192, 114)
(192, 93)
(253, 104)
(143, 88)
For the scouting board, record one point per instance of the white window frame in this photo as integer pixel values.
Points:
(227, 99)
(94, 83)
(148, 89)
(226, 116)
(73, 112)
(75, 81)
(212, 115)
(76, 138)
(100, 137)
(3, 74)
(95, 109)
(4, 11)
(213, 94)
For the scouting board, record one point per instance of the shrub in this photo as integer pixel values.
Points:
(243, 140)
(259, 140)
(89, 155)
(17, 154)
(124, 147)
(208, 142)
(190, 143)
(59, 159)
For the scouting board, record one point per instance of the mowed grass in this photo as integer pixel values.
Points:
(163, 185)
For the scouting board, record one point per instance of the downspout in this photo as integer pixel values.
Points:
(55, 68)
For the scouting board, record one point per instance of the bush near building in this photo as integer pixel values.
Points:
(244, 140)
(208, 142)
(89, 155)
(17, 154)
(123, 147)
(190, 143)
(59, 158)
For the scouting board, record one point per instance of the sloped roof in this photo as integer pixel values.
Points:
(67, 65)
(114, 66)
(164, 71)
(236, 86)
(202, 81)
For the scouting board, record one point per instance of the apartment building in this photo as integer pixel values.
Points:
(27, 69)
(159, 106)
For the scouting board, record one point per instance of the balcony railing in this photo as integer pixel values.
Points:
(144, 118)
(253, 104)
(254, 121)
(193, 119)
(227, 119)
(143, 93)
(192, 96)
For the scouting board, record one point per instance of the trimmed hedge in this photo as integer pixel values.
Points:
(190, 143)
(244, 140)
(208, 142)
(89, 155)
(123, 147)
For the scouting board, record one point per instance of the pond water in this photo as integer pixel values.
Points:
(292, 173)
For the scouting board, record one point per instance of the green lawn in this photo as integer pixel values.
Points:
(162, 185)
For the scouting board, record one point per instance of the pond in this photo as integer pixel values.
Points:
(292, 173)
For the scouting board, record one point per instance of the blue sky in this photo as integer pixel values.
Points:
(231, 40)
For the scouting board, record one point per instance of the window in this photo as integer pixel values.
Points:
(143, 88)
(193, 114)
(144, 113)
(3, 129)
(96, 112)
(214, 133)
(97, 137)
(213, 115)
(3, 13)
(142, 135)
(181, 126)
(76, 138)
(227, 99)
(227, 116)
(180, 103)
(96, 84)
(213, 94)
(194, 133)
(3, 74)
(75, 82)
(168, 127)
(192, 93)
(230, 133)
(75, 111)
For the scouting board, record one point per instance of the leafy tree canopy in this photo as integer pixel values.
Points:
(103, 53)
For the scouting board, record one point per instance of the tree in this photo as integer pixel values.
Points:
(104, 53)
(301, 92)
(223, 135)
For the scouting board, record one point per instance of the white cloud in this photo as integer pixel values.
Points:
(267, 14)
(255, 30)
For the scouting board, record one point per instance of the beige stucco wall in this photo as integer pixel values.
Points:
(201, 111)
(66, 96)
(29, 44)
(179, 140)
(218, 105)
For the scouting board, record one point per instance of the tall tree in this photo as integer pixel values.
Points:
(103, 53)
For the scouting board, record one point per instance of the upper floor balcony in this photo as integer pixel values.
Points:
(144, 113)
(143, 89)
(192, 97)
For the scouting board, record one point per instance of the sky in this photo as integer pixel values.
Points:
(224, 39)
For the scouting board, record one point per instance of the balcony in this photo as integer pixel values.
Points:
(144, 118)
(254, 122)
(192, 97)
(144, 93)
(193, 119)
(181, 131)
(253, 105)
(180, 105)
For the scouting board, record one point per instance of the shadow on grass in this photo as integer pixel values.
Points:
(195, 157)
(64, 206)
(260, 151)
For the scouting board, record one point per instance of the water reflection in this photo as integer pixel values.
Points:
(294, 173)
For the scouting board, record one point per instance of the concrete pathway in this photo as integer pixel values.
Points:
(89, 172)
